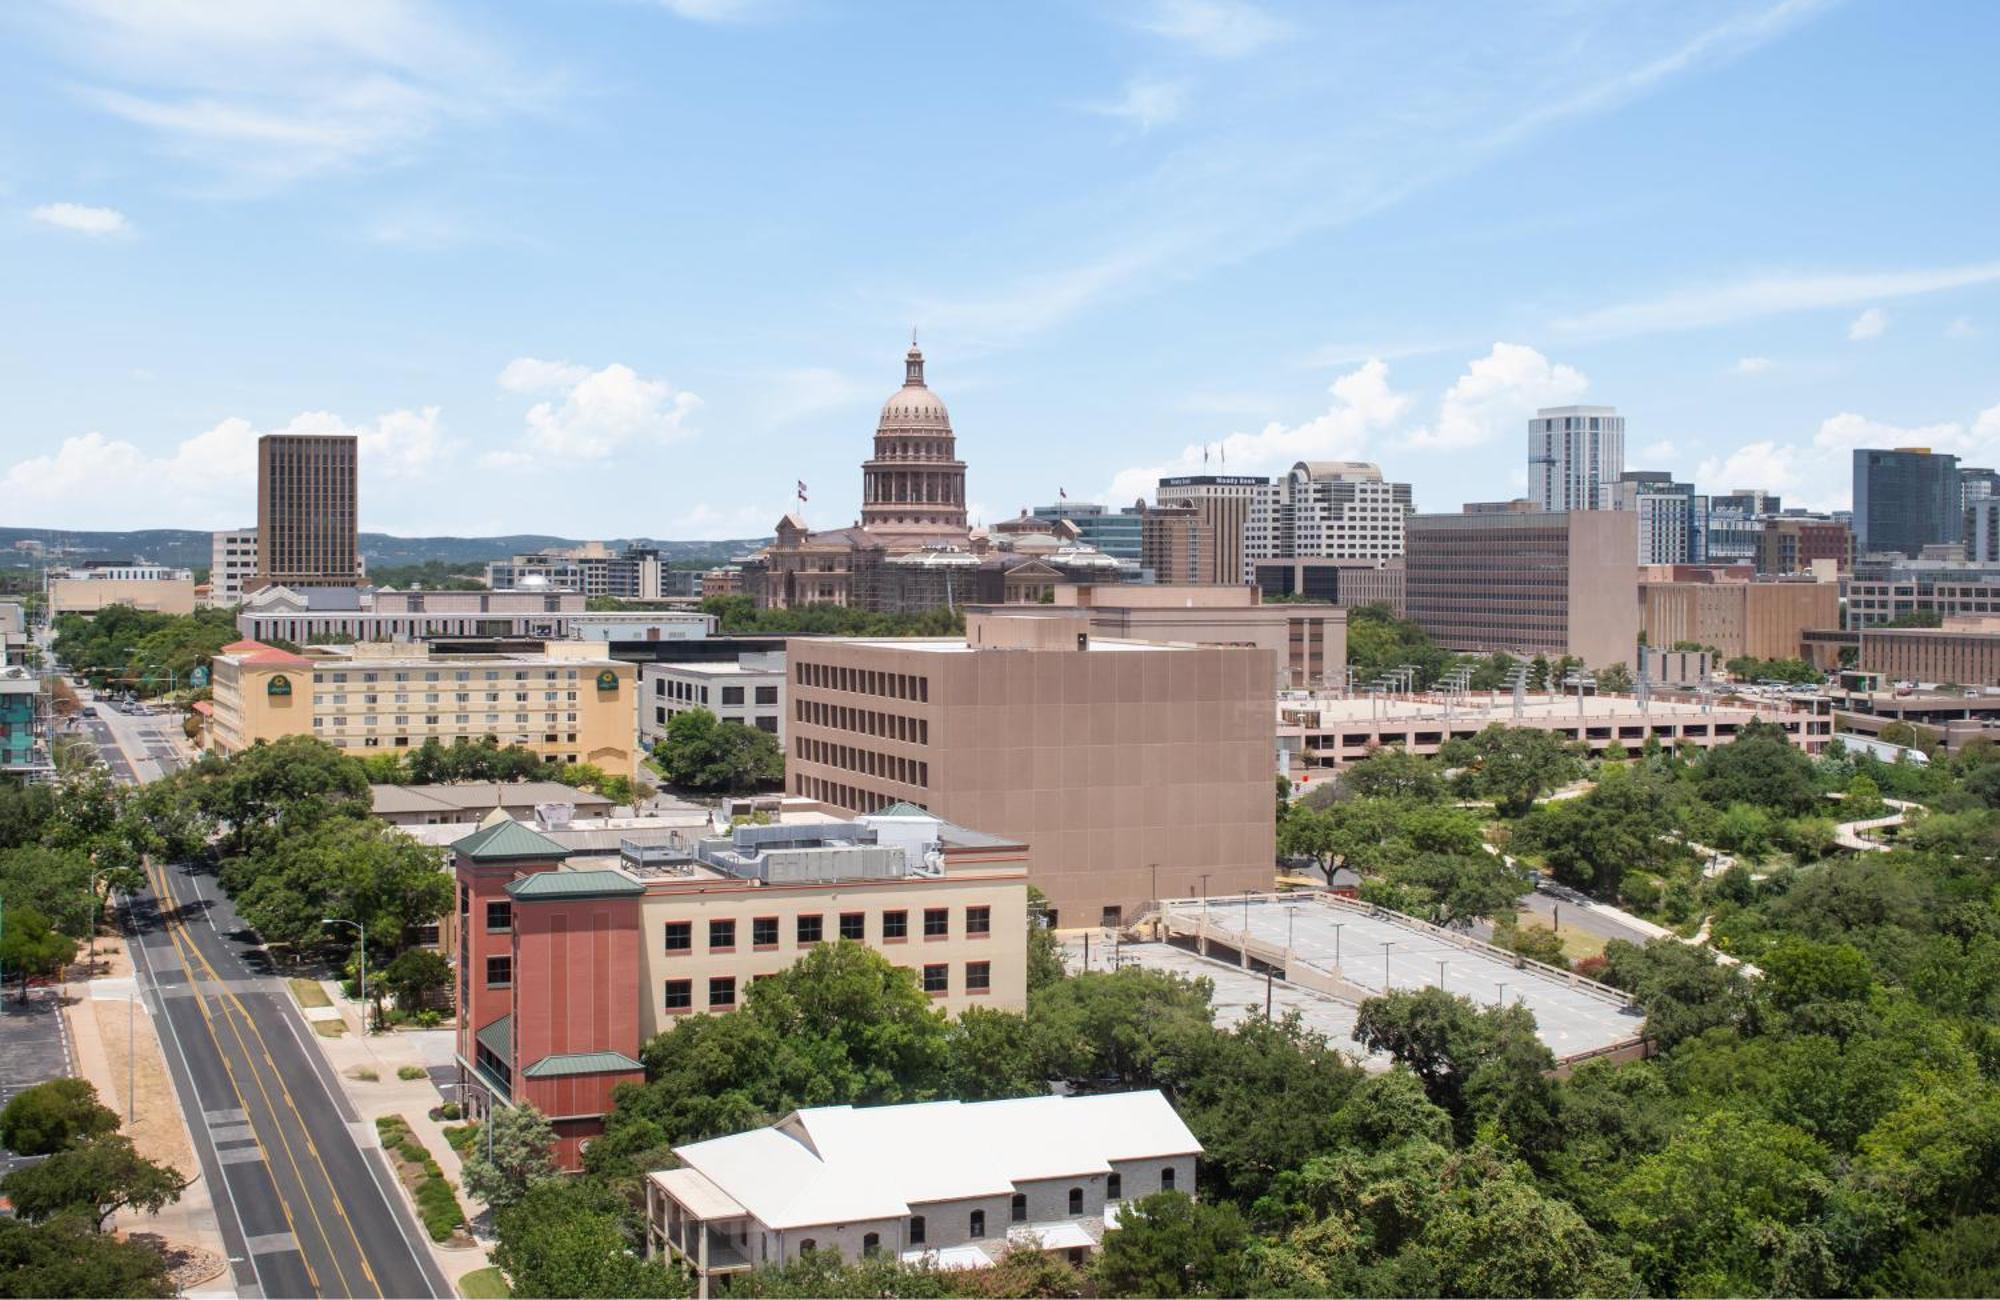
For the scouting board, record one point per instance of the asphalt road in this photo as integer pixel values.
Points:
(305, 1211)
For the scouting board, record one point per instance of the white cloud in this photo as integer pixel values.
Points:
(1363, 406)
(1221, 29)
(1961, 327)
(1752, 365)
(1659, 453)
(1870, 324)
(1818, 473)
(81, 219)
(1771, 295)
(264, 94)
(715, 11)
(1496, 394)
(1145, 104)
(209, 480)
(599, 412)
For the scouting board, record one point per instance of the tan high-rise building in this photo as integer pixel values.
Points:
(1177, 545)
(1131, 770)
(1223, 502)
(306, 520)
(1550, 584)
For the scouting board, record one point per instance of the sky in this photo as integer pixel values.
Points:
(607, 268)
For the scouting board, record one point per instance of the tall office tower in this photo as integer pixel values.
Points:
(1673, 520)
(1222, 501)
(306, 510)
(1177, 545)
(1905, 500)
(1575, 455)
(1982, 531)
(1115, 532)
(1338, 509)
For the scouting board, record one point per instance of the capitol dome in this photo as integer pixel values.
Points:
(914, 405)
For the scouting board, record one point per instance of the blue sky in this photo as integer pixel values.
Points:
(618, 267)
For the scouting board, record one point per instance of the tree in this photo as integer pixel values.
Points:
(1683, 989)
(566, 1239)
(823, 1273)
(1513, 766)
(1617, 679)
(52, 1116)
(30, 947)
(1590, 842)
(1169, 1245)
(1461, 887)
(415, 975)
(512, 1159)
(700, 752)
(993, 1054)
(63, 1257)
(1394, 772)
(95, 1177)
(287, 783)
(1762, 767)
(1045, 959)
(1898, 733)
(1501, 1236)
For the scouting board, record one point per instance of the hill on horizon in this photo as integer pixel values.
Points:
(189, 548)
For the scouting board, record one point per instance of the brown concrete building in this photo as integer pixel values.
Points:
(306, 510)
(1765, 620)
(1791, 545)
(1308, 641)
(1965, 651)
(1177, 544)
(1131, 770)
(1527, 583)
(1224, 503)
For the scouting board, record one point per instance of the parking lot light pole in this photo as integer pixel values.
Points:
(1386, 944)
(341, 920)
(1502, 1003)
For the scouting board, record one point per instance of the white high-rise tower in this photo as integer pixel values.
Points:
(1575, 455)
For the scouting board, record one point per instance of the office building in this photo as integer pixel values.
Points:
(1885, 588)
(1737, 617)
(749, 690)
(232, 566)
(1790, 544)
(1963, 652)
(570, 959)
(1575, 455)
(1982, 531)
(1752, 503)
(1132, 770)
(14, 638)
(567, 702)
(1222, 502)
(1976, 483)
(99, 584)
(1117, 533)
(21, 750)
(1673, 518)
(1339, 510)
(318, 615)
(306, 511)
(1732, 536)
(1177, 546)
(947, 1183)
(1308, 642)
(1347, 583)
(1905, 500)
(594, 569)
(1527, 584)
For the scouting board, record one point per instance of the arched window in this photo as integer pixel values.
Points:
(808, 1246)
(1076, 1200)
(1167, 1179)
(916, 1229)
(871, 1243)
(1114, 1188)
(1017, 1210)
(976, 1226)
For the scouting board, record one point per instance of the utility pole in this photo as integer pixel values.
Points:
(340, 920)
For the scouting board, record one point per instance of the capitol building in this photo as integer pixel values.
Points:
(913, 548)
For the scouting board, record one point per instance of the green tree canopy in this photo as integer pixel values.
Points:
(701, 752)
(94, 1177)
(513, 1158)
(51, 1116)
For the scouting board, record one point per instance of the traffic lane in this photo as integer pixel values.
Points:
(1562, 913)
(353, 1185)
(108, 749)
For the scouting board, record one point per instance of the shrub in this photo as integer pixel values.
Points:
(366, 1075)
(450, 1110)
(411, 1072)
(1592, 967)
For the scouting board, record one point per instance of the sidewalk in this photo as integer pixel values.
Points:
(104, 1015)
(352, 1055)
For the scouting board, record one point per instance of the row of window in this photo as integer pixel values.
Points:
(811, 928)
(764, 722)
(1017, 1212)
(721, 989)
(458, 675)
(460, 697)
(868, 762)
(866, 722)
(865, 681)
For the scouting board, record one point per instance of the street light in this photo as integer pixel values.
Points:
(341, 920)
(1502, 1001)
(1386, 944)
(1440, 976)
(1337, 928)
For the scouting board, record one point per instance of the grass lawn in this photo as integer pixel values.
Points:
(309, 993)
(329, 1028)
(1577, 944)
(483, 1284)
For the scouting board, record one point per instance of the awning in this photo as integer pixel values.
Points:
(951, 1257)
(1061, 1235)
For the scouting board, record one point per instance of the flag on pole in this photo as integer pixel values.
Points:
(1062, 494)
(1204, 455)
(802, 491)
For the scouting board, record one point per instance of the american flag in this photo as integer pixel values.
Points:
(802, 489)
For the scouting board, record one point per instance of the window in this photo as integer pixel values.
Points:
(1167, 1179)
(808, 1246)
(733, 695)
(1076, 1200)
(978, 976)
(937, 923)
(499, 917)
(499, 972)
(767, 695)
(975, 1226)
(895, 926)
(916, 1229)
(721, 936)
(722, 991)
(1114, 1188)
(978, 920)
(680, 995)
(1017, 1210)
(811, 928)
(764, 932)
(680, 936)
(937, 979)
(853, 925)
(871, 1243)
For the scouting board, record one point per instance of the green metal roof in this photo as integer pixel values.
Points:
(509, 839)
(574, 884)
(555, 1067)
(498, 1038)
(902, 808)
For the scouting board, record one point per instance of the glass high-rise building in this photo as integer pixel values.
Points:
(1906, 499)
(1575, 455)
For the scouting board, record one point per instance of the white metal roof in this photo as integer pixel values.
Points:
(697, 1195)
(839, 1164)
(951, 1257)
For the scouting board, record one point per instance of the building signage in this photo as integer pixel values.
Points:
(278, 685)
(607, 680)
(1214, 480)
